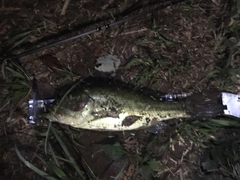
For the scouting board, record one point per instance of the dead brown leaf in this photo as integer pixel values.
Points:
(50, 61)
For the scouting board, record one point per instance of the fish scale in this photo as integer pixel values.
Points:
(112, 108)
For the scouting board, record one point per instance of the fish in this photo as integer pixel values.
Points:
(111, 108)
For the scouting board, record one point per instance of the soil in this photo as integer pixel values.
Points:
(182, 48)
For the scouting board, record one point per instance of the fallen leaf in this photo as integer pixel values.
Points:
(50, 61)
(46, 90)
(32, 39)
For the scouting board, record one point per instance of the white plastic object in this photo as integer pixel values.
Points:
(108, 63)
(232, 102)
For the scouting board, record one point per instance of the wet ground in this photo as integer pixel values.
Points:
(170, 50)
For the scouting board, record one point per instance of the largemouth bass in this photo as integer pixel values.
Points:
(114, 109)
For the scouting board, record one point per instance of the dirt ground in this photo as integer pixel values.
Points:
(175, 44)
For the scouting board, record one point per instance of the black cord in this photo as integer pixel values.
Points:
(31, 51)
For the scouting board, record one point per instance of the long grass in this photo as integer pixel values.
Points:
(59, 161)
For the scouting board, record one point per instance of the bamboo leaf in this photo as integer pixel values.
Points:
(156, 165)
(115, 151)
(146, 172)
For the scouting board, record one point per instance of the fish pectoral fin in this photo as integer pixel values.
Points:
(129, 120)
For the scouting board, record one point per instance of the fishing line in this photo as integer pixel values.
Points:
(104, 27)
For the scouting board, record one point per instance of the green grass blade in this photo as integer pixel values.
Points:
(59, 172)
(133, 62)
(121, 171)
(71, 159)
(42, 160)
(31, 166)
(225, 123)
(76, 143)
(17, 37)
(53, 155)
(15, 73)
(19, 42)
(53, 168)
(47, 136)
(64, 96)
(20, 68)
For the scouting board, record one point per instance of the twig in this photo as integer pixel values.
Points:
(9, 9)
(3, 3)
(65, 6)
(132, 32)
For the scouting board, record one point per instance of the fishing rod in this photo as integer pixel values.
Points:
(104, 27)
